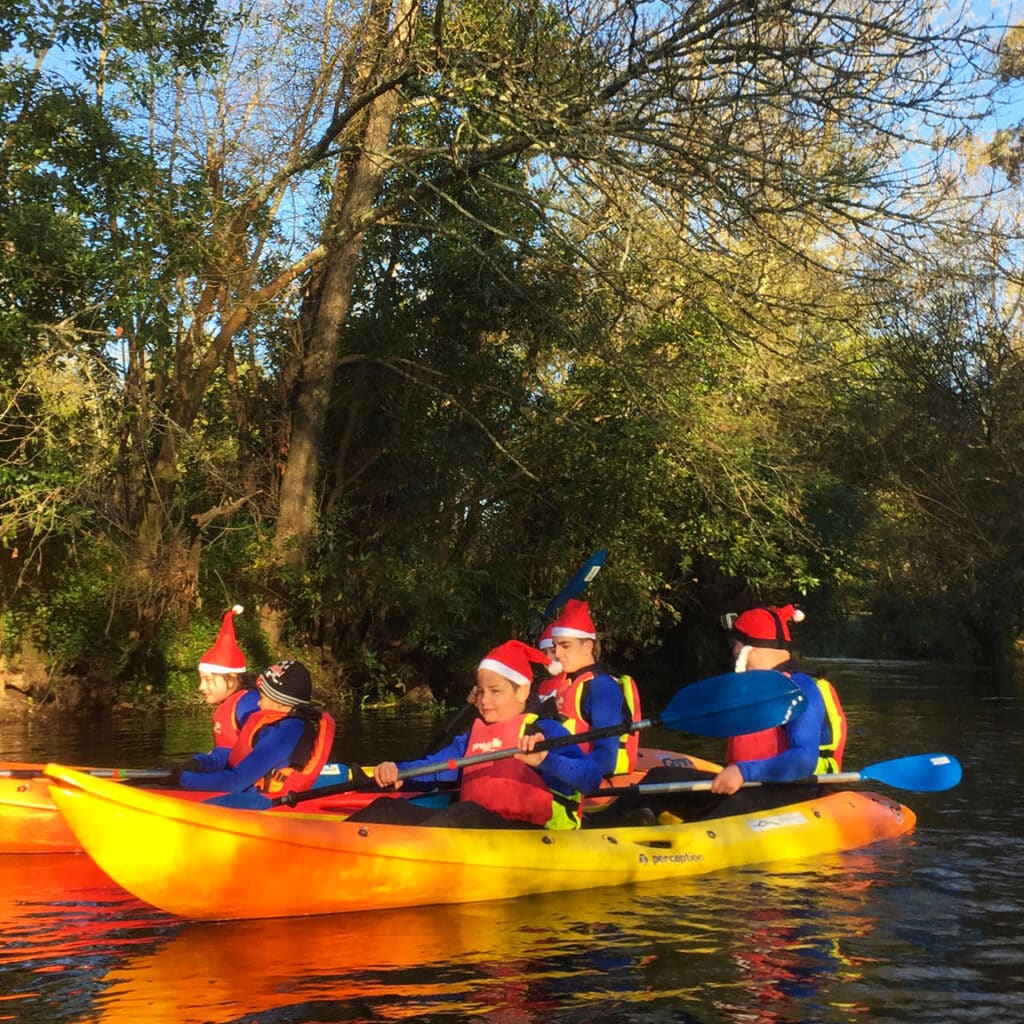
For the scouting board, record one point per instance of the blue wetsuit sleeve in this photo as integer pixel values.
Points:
(454, 750)
(567, 769)
(603, 706)
(214, 761)
(247, 704)
(804, 735)
(272, 749)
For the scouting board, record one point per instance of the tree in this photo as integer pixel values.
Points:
(673, 165)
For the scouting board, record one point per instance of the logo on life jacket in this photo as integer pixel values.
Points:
(485, 747)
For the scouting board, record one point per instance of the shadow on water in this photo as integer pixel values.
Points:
(926, 928)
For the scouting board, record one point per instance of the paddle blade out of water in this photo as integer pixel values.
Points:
(575, 586)
(919, 773)
(734, 704)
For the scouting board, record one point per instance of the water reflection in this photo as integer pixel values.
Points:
(513, 960)
(64, 925)
(745, 947)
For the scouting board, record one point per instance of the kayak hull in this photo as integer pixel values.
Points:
(199, 861)
(31, 823)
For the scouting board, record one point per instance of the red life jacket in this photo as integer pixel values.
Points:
(225, 719)
(508, 787)
(756, 746)
(569, 696)
(290, 778)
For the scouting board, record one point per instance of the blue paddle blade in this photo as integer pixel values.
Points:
(920, 773)
(578, 583)
(734, 704)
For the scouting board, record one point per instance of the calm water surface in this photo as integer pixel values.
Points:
(928, 928)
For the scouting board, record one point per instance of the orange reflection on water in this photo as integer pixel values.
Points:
(62, 921)
(506, 960)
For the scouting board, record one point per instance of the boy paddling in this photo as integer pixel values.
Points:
(534, 788)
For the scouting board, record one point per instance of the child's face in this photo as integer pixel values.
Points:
(573, 652)
(267, 703)
(497, 697)
(217, 686)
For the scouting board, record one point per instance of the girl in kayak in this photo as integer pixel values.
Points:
(227, 689)
(281, 748)
(534, 788)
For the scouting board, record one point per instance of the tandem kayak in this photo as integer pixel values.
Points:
(198, 861)
(31, 823)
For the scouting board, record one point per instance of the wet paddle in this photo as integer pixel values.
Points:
(584, 576)
(919, 773)
(726, 705)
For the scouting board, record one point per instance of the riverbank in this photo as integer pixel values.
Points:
(14, 704)
(28, 689)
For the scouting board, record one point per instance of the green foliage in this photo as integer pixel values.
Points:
(602, 300)
(67, 612)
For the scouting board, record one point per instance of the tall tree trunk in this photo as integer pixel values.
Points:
(357, 183)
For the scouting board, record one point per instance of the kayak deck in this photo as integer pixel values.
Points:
(198, 861)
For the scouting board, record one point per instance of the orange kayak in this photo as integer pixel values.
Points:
(200, 859)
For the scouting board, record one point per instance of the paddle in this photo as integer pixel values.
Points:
(584, 576)
(919, 773)
(23, 770)
(726, 705)
(27, 770)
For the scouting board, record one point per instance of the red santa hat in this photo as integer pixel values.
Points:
(546, 641)
(575, 621)
(225, 655)
(763, 627)
(512, 660)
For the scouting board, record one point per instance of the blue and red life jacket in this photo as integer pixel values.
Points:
(757, 746)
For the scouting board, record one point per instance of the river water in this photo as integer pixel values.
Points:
(927, 928)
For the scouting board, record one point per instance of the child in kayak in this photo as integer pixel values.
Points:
(585, 693)
(813, 742)
(532, 788)
(225, 686)
(281, 748)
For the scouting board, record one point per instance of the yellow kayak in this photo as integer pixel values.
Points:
(205, 862)
(31, 823)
